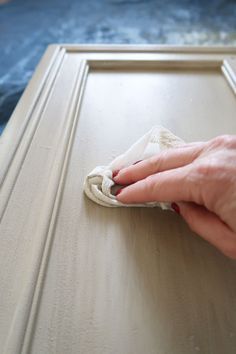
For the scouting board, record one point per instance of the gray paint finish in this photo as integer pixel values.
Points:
(27, 27)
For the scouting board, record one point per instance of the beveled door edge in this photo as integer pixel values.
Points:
(226, 66)
(34, 96)
(137, 64)
(229, 71)
(150, 48)
(20, 335)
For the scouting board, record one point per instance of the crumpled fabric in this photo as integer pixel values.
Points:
(98, 185)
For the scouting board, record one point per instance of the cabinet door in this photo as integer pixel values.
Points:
(76, 277)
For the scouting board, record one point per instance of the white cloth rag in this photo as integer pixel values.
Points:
(98, 183)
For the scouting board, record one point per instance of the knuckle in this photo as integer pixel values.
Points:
(150, 185)
(207, 184)
(208, 169)
(157, 162)
(224, 140)
(203, 170)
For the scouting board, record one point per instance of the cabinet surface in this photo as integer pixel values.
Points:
(76, 277)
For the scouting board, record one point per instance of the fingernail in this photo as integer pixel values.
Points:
(175, 207)
(115, 173)
(137, 162)
(119, 191)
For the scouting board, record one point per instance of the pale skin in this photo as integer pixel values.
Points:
(200, 178)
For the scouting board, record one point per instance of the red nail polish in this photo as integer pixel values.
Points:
(115, 173)
(137, 162)
(119, 191)
(175, 207)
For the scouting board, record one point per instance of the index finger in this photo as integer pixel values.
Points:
(165, 160)
(167, 186)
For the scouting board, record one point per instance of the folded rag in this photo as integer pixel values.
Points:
(98, 184)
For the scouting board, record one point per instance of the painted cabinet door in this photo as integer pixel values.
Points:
(76, 277)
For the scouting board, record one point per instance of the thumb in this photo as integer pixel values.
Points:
(209, 226)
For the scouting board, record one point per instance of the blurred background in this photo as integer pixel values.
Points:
(27, 27)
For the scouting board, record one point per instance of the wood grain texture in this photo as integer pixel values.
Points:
(76, 277)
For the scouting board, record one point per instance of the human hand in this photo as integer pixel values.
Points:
(200, 178)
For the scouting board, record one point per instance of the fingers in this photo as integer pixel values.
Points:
(210, 227)
(162, 187)
(166, 160)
